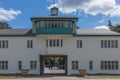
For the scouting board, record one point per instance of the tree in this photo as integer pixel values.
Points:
(4, 25)
(110, 25)
(115, 28)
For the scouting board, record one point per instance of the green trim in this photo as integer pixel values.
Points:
(74, 35)
(17, 35)
(53, 18)
(96, 35)
(56, 34)
(62, 30)
(54, 8)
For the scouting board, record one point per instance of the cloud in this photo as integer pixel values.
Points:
(101, 21)
(102, 27)
(92, 7)
(7, 15)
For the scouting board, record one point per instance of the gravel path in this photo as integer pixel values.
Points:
(58, 78)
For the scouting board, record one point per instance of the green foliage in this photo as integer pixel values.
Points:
(51, 60)
(4, 25)
(115, 28)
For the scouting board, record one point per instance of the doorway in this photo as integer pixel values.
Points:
(53, 64)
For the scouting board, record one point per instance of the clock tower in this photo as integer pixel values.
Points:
(54, 11)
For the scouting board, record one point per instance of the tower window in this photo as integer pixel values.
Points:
(54, 11)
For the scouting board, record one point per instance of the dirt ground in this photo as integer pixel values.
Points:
(58, 78)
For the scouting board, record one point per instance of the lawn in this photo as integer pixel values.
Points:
(14, 76)
(103, 75)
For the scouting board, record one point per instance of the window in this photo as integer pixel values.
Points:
(70, 24)
(19, 65)
(45, 24)
(54, 12)
(50, 43)
(57, 42)
(54, 43)
(91, 65)
(109, 43)
(74, 65)
(3, 43)
(79, 43)
(3, 65)
(33, 65)
(61, 43)
(47, 43)
(54, 24)
(109, 65)
(29, 44)
(116, 43)
(62, 24)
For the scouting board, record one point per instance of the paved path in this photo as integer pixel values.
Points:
(58, 78)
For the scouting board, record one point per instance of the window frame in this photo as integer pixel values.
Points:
(109, 65)
(4, 44)
(90, 65)
(33, 65)
(109, 44)
(3, 65)
(19, 65)
(79, 44)
(75, 65)
(29, 43)
(54, 42)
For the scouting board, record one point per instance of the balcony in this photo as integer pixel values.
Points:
(62, 30)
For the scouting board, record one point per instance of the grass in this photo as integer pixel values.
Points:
(14, 76)
(2, 76)
(103, 75)
(98, 75)
(8, 76)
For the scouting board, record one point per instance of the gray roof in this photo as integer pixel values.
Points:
(96, 32)
(84, 32)
(54, 17)
(17, 32)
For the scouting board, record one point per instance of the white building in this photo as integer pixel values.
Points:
(55, 45)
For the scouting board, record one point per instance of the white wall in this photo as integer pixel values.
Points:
(91, 50)
(18, 51)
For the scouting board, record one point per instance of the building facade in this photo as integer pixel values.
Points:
(55, 45)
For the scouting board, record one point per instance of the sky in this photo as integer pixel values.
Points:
(91, 13)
